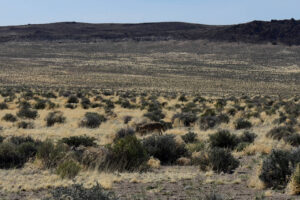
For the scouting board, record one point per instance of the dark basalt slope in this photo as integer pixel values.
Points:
(275, 31)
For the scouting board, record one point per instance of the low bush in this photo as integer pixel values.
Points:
(127, 119)
(219, 160)
(25, 125)
(27, 113)
(276, 169)
(195, 147)
(280, 132)
(128, 154)
(164, 148)
(72, 99)
(85, 103)
(3, 106)
(78, 192)
(9, 118)
(293, 139)
(223, 139)
(71, 106)
(124, 132)
(207, 122)
(156, 115)
(242, 124)
(294, 184)
(92, 120)
(40, 105)
(186, 118)
(55, 117)
(9, 156)
(68, 169)
(77, 141)
(190, 137)
(51, 154)
(247, 137)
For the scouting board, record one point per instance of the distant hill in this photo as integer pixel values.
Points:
(275, 31)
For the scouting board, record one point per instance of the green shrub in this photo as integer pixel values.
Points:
(51, 154)
(196, 147)
(68, 169)
(27, 113)
(85, 103)
(293, 139)
(190, 137)
(25, 125)
(124, 132)
(242, 124)
(40, 105)
(223, 139)
(78, 192)
(280, 132)
(9, 118)
(127, 119)
(17, 140)
(72, 99)
(247, 137)
(182, 98)
(276, 169)
(92, 120)
(186, 118)
(219, 160)
(3, 106)
(77, 141)
(164, 148)
(156, 115)
(55, 117)
(9, 156)
(207, 122)
(241, 146)
(128, 154)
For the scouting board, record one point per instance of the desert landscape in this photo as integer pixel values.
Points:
(172, 115)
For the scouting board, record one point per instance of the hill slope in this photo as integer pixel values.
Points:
(282, 31)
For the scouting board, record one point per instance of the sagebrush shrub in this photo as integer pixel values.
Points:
(68, 169)
(276, 169)
(164, 148)
(3, 106)
(186, 118)
(9, 118)
(124, 132)
(9, 156)
(223, 139)
(190, 137)
(27, 113)
(280, 132)
(219, 160)
(51, 154)
(248, 137)
(128, 154)
(72, 99)
(25, 125)
(242, 124)
(55, 117)
(77, 141)
(78, 192)
(40, 105)
(92, 120)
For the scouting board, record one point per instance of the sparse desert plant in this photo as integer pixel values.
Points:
(186, 118)
(55, 117)
(248, 137)
(25, 125)
(9, 118)
(127, 119)
(85, 103)
(294, 184)
(293, 139)
(27, 113)
(196, 147)
(128, 154)
(3, 106)
(68, 169)
(9, 156)
(276, 169)
(190, 137)
(92, 120)
(164, 148)
(71, 106)
(77, 141)
(223, 139)
(78, 192)
(51, 154)
(280, 132)
(124, 132)
(218, 160)
(40, 105)
(156, 115)
(242, 124)
(207, 122)
(72, 99)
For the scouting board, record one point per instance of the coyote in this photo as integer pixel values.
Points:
(150, 127)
